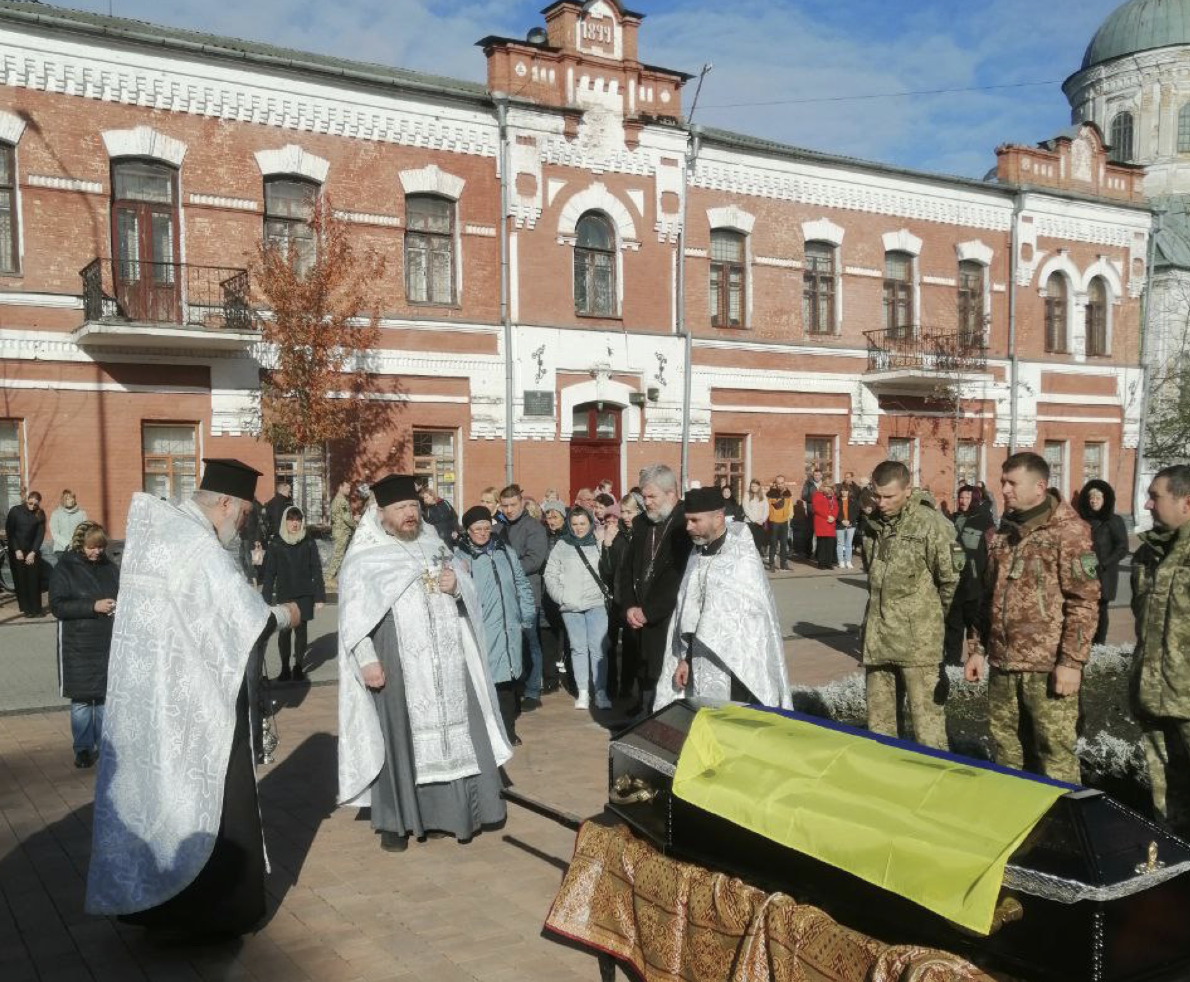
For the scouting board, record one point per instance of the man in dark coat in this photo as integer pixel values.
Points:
(526, 536)
(1109, 539)
(972, 522)
(25, 531)
(275, 508)
(657, 559)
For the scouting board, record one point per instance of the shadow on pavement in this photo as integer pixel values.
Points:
(845, 640)
(322, 650)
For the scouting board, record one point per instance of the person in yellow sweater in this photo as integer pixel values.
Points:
(780, 511)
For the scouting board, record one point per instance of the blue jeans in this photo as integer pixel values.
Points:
(86, 725)
(843, 540)
(533, 683)
(588, 647)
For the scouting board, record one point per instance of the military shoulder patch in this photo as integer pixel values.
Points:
(1086, 567)
(958, 557)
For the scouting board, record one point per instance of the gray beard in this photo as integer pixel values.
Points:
(661, 514)
(409, 536)
(228, 534)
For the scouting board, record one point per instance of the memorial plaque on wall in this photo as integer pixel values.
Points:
(539, 403)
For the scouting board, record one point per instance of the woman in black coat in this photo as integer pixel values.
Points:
(83, 589)
(1109, 538)
(293, 572)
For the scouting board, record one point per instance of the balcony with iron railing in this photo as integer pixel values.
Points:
(922, 356)
(165, 305)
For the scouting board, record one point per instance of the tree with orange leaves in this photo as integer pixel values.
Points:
(320, 319)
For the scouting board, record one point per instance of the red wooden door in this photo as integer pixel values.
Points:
(595, 447)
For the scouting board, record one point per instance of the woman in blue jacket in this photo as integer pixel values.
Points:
(506, 600)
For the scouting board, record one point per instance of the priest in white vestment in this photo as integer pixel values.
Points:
(420, 736)
(724, 639)
(177, 840)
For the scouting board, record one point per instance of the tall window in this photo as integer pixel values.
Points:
(727, 278)
(1054, 453)
(595, 266)
(306, 473)
(1121, 138)
(1097, 317)
(145, 240)
(729, 464)
(820, 454)
(434, 460)
(903, 448)
(288, 211)
(1055, 313)
(967, 462)
(11, 478)
(430, 249)
(10, 251)
(818, 288)
(970, 304)
(170, 454)
(1093, 459)
(1184, 129)
(898, 293)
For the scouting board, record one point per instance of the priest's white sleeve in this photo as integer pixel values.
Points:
(365, 653)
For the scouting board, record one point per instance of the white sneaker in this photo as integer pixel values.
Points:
(583, 701)
(602, 701)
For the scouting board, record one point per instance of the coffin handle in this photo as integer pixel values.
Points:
(1008, 911)
(631, 791)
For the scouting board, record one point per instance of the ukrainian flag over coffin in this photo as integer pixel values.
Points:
(929, 827)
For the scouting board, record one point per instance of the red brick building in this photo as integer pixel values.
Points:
(835, 307)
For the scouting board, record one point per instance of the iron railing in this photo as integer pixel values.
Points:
(182, 294)
(923, 350)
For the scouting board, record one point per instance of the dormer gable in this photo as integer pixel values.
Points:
(1074, 160)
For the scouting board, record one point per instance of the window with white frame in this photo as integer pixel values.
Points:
(12, 478)
(729, 464)
(727, 284)
(820, 455)
(967, 462)
(429, 249)
(1054, 453)
(306, 474)
(10, 247)
(1096, 314)
(1055, 313)
(904, 450)
(971, 299)
(1121, 138)
(898, 294)
(288, 213)
(1094, 461)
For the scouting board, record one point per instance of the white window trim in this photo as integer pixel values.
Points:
(292, 160)
(144, 141)
(12, 128)
(617, 252)
(457, 246)
(837, 265)
(976, 251)
(432, 180)
(746, 233)
(1075, 302)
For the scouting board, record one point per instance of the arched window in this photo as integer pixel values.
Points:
(970, 303)
(1055, 313)
(1121, 138)
(1184, 129)
(429, 249)
(1097, 318)
(288, 211)
(898, 294)
(818, 288)
(145, 240)
(595, 266)
(727, 278)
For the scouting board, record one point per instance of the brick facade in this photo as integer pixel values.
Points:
(589, 129)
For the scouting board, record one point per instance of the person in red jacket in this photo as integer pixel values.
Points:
(824, 507)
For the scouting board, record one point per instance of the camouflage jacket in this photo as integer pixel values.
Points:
(1161, 603)
(1040, 603)
(914, 565)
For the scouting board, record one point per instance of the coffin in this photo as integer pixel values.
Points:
(1094, 893)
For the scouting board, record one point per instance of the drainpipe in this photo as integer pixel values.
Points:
(1140, 492)
(1013, 364)
(505, 315)
(680, 318)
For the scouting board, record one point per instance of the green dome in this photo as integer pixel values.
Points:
(1139, 25)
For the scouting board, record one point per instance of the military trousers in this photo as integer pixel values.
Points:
(1032, 729)
(1167, 750)
(884, 685)
(341, 543)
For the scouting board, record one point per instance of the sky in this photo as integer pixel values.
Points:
(769, 56)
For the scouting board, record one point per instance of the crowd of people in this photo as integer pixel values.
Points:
(450, 628)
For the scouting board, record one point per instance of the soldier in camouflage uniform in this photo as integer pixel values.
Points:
(914, 565)
(1161, 603)
(343, 525)
(1038, 615)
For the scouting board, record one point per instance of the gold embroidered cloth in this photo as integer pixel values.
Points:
(676, 922)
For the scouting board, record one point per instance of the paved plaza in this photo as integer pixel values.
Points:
(340, 909)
